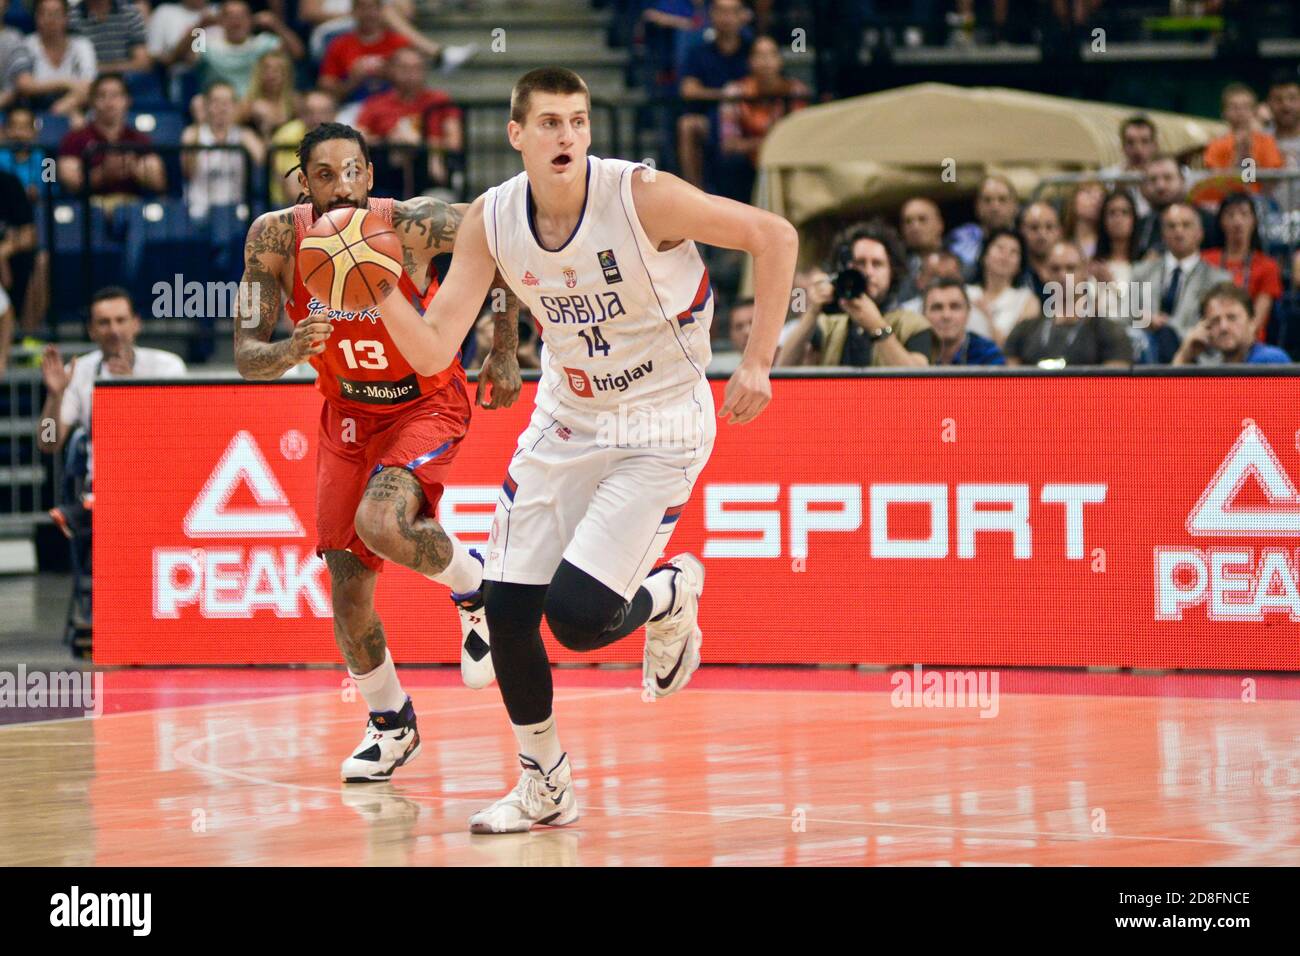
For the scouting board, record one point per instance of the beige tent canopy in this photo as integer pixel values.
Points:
(825, 164)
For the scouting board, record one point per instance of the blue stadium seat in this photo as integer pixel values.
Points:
(147, 93)
(68, 263)
(164, 127)
(160, 244)
(52, 129)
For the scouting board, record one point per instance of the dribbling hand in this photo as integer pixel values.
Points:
(310, 337)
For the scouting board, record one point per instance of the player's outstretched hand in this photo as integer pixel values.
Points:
(499, 382)
(748, 392)
(310, 337)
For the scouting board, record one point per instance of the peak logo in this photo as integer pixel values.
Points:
(233, 581)
(1251, 457)
(1233, 582)
(210, 516)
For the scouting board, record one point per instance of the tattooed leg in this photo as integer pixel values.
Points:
(357, 629)
(387, 522)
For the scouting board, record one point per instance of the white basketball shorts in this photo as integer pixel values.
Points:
(603, 492)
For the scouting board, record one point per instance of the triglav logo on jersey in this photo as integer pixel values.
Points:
(235, 582)
(583, 385)
(609, 265)
(570, 278)
(316, 309)
(578, 382)
(1231, 580)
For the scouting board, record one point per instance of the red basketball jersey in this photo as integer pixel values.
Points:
(361, 369)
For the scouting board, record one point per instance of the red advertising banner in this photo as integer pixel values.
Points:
(1032, 521)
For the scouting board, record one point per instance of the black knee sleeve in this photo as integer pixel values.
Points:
(514, 617)
(583, 614)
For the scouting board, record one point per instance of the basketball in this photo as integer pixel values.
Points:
(350, 259)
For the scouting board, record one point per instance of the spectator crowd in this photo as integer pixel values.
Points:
(186, 100)
(1132, 266)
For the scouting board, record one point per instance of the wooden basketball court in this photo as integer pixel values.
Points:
(746, 766)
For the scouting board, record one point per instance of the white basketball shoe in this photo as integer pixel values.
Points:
(475, 648)
(673, 639)
(540, 798)
(392, 739)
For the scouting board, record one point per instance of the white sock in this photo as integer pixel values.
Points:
(540, 742)
(381, 688)
(660, 587)
(465, 572)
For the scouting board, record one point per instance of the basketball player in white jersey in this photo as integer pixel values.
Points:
(603, 253)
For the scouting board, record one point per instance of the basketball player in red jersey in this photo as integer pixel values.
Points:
(387, 434)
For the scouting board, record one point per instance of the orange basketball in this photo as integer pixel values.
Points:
(350, 259)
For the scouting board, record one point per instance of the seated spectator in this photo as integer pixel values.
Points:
(1180, 276)
(356, 62)
(1284, 108)
(117, 30)
(947, 310)
(739, 321)
(1243, 142)
(936, 265)
(1082, 222)
(18, 252)
(168, 24)
(217, 177)
(114, 175)
(1113, 262)
(55, 69)
(920, 223)
(1137, 138)
(23, 157)
(314, 107)
(1225, 334)
(11, 49)
(1040, 228)
(1284, 111)
(328, 18)
(707, 67)
(269, 103)
(114, 326)
(996, 207)
(1067, 333)
(1164, 184)
(232, 48)
(864, 330)
(744, 122)
(1241, 255)
(999, 298)
(412, 114)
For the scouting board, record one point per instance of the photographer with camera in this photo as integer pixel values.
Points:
(849, 308)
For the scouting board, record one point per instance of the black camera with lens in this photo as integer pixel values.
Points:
(847, 281)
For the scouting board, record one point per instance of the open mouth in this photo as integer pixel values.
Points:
(561, 162)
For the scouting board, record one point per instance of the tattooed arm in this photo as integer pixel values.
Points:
(427, 228)
(429, 342)
(266, 252)
(500, 367)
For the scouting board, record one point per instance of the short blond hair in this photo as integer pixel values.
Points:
(545, 79)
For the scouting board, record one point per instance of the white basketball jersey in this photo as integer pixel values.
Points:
(621, 322)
